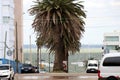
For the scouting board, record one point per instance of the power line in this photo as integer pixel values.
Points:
(94, 26)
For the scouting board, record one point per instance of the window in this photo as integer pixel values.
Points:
(5, 9)
(112, 61)
(112, 38)
(4, 67)
(111, 47)
(6, 19)
(4, 2)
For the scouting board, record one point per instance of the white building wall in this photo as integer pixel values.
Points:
(0, 28)
(7, 25)
(115, 33)
(0, 12)
(110, 43)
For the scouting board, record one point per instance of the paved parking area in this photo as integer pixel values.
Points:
(56, 76)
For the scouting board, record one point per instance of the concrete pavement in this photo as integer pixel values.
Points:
(56, 76)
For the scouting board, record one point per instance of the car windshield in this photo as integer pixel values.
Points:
(112, 61)
(27, 65)
(92, 65)
(4, 67)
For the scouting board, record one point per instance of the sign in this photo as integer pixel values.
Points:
(9, 52)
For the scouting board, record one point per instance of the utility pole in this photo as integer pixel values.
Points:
(16, 48)
(49, 62)
(38, 58)
(5, 44)
(30, 50)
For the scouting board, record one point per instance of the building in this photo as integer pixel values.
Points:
(18, 11)
(8, 17)
(112, 41)
(6, 27)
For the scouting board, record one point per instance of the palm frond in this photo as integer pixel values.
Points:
(59, 19)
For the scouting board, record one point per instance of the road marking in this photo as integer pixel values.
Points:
(34, 77)
(30, 77)
(87, 77)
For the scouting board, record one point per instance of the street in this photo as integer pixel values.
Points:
(56, 76)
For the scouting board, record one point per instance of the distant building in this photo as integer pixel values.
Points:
(10, 13)
(112, 41)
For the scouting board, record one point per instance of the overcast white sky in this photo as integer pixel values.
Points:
(102, 16)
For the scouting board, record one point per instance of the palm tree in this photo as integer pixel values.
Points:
(59, 25)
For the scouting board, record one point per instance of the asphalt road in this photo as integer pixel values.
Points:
(56, 76)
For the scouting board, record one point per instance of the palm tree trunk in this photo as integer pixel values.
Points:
(59, 57)
(59, 51)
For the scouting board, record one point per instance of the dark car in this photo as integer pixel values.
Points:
(27, 68)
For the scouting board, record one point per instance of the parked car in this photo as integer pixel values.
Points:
(6, 71)
(27, 68)
(92, 66)
(109, 68)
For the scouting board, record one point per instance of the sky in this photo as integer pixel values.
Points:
(102, 16)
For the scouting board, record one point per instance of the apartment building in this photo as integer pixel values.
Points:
(112, 40)
(8, 13)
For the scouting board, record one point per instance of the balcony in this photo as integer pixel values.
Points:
(111, 43)
(8, 2)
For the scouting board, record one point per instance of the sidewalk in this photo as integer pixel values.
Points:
(54, 76)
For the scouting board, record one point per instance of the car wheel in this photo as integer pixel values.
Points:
(111, 78)
(11, 78)
(87, 71)
(100, 79)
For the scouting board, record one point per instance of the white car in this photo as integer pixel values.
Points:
(6, 71)
(109, 68)
(92, 66)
